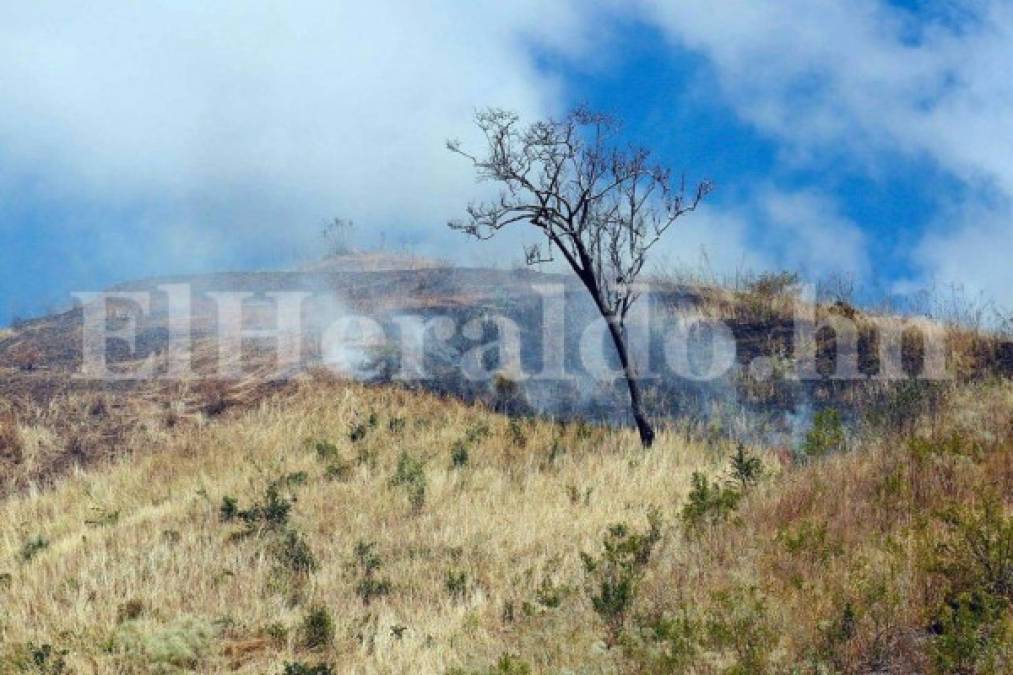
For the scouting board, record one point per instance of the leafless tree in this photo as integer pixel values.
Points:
(602, 207)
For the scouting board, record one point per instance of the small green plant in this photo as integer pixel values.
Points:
(746, 469)
(277, 632)
(456, 583)
(973, 559)
(42, 659)
(357, 433)
(549, 595)
(294, 554)
(33, 547)
(366, 564)
(665, 643)
(300, 668)
(826, 435)
(183, 643)
(411, 475)
(517, 435)
(317, 630)
(396, 425)
(708, 503)
(327, 451)
(613, 577)
(459, 455)
(739, 624)
(271, 512)
(507, 664)
(970, 633)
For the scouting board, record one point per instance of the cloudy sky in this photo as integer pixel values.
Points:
(865, 137)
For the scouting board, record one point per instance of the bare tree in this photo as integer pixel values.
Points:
(600, 206)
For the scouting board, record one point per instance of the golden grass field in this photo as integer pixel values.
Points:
(844, 563)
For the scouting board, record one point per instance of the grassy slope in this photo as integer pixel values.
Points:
(503, 518)
(841, 564)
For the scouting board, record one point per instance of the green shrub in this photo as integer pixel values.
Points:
(669, 643)
(708, 503)
(973, 559)
(270, 513)
(738, 624)
(459, 455)
(550, 595)
(971, 634)
(182, 643)
(300, 668)
(456, 583)
(294, 554)
(826, 435)
(976, 552)
(327, 451)
(746, 470)
(317, 630)
(357, 433)
(517, 436)
(507, 664)
(411, 475)
(811, 540)
(366, 565)
(42, 659)
(33, 547)
(612, 578)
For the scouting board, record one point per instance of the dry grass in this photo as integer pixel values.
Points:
(506, 519)
(130, 567)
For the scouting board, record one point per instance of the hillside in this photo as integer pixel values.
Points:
(381, 530)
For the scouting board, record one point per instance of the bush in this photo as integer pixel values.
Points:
(317, 630)
(366, 563)
(669, 643)
(708, 503)
(826, 435)
(746, 470)
(357, 433)
(182, 644)
(507, 664)
(974, 560)
(299, 668)
(33, 547)
(410, 474)
(42, 659)
(459, 455)
(295, 555)
(456, 582)
(613, 577)
(738, 623)
(971, 634)
(271, 512)
(327, 451)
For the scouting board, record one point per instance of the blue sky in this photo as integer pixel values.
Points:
(860, 137)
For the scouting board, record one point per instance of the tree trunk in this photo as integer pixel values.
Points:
(629, 372)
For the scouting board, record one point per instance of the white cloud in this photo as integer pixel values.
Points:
(862, 81)
(247, 123)
(975, 251)
(768, 230)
